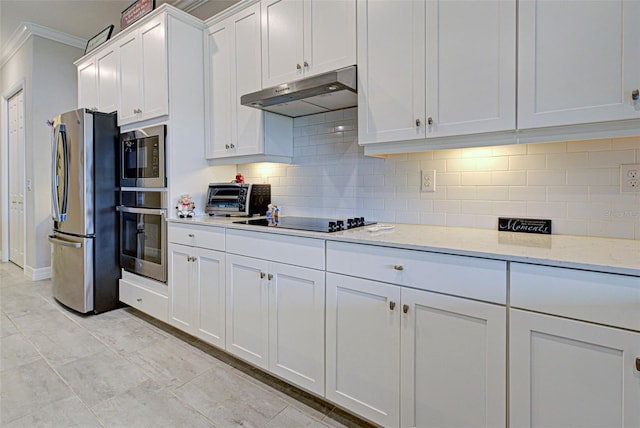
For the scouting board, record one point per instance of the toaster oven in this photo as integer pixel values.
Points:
(238, 199)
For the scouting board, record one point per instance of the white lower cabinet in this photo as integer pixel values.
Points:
(570, 373)
(196, 268)
(144, 294)
(275, 311)
(400, 356)
(574, 348)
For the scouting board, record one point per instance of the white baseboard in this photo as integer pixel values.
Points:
(37, 274)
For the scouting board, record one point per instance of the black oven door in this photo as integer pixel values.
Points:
(142, 241)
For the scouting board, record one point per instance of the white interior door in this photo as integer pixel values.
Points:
(16, 179)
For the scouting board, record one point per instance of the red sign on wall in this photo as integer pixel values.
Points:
(136, 11)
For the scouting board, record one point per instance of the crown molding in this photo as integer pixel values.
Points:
(28, 29)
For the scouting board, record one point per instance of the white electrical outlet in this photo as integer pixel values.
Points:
(630, 178)
(428, 180)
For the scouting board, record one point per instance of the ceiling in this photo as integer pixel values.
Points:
(85, 18)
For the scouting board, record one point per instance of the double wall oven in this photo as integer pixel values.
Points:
(143, 203)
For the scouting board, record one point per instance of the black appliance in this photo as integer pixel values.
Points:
(312, 224)
(84, 257)
(143, 233)
(238, 199)
(142, 157)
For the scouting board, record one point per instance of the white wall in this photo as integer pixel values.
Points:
(49, 76)
(573, 183)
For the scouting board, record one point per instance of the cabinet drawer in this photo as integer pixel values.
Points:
(197, 236)
(293, 250)
(470, 277)
(145, 300)
(602, 298)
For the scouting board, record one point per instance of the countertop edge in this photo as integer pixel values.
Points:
(382, 239)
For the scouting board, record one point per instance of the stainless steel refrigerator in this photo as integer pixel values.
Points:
(85, 246)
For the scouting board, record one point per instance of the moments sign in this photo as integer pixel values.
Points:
(525, 225)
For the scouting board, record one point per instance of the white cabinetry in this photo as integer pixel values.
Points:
(275, 310)
(144, 294)
(570, 69)
(575, 360)
(144, 90)
(411, 357)
(97, 81)
(196, 267)
(235, 133)
(306, 37)
(435, 69)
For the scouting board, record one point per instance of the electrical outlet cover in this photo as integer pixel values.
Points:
(428, 180)
(630, 178)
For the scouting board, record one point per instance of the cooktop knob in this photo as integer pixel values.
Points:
(352, 222)
(332, 226)
(339, 225)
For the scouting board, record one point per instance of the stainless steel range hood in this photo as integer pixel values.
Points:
(334, 90)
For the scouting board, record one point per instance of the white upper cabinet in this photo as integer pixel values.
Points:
(98, 82)
(144, 92)
(435, 68)
(306, 37)
(236, 133)
(579, 62)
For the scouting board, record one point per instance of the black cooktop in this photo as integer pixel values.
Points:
(309, 223)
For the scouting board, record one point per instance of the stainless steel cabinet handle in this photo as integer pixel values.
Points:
(430, 120)
(232, 146)
(405, 308)
(139, 299)
(392, 305)
(306, 64)
(398, 267)
(638, 364)
(262, 275)
(298, 67)
(635, 94)
(134, 210)
(191, 235)
(418, 122)
(270, 277)
(226, 146)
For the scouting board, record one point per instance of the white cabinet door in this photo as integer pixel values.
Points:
(129, 50)
(219, 82)
(471, 67)
(197, 292)
(296, 325)
(363, 347)
(107, 73)
(569, 373)
(209, 296)
(247, 309)
(247, 122)
(181, 277)
(154, 79)
(578, 62)
(330, 35)
(88, 85)
(282, 35)
(391, 71)
(143, 73)
(453, 361)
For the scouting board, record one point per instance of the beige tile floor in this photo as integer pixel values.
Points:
(124, 369)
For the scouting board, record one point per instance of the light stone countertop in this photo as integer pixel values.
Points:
(620, 256)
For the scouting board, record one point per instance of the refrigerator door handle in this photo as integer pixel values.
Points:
(55, 205)
(62, 242)
(65, 148)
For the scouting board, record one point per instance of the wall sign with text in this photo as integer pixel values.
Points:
(136, 11)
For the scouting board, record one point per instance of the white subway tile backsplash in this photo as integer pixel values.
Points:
(573, 183)
(546, 178)
(567, 160)
(527, 162)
